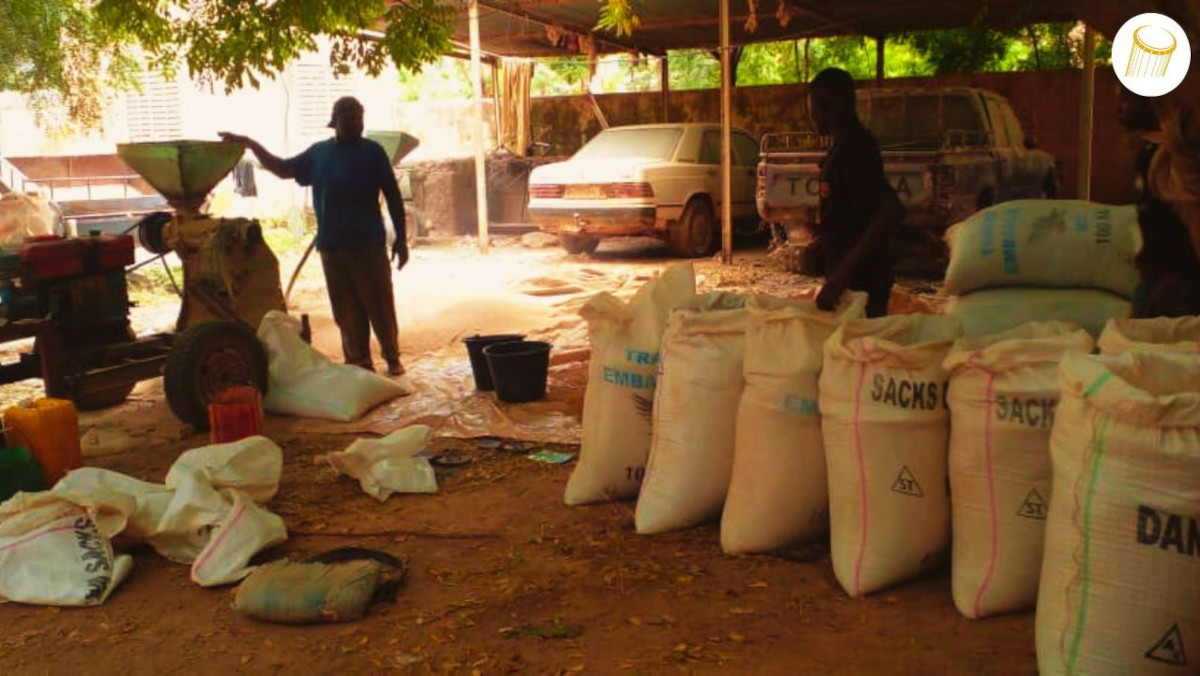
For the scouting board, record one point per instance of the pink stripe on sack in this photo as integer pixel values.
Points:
(213, 547)
(25, 540)
(862, 480)
(991, 477)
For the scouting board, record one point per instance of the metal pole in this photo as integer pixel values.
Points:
(1083, 179)
(480, 161)
(879, 59)
(726, 141)
(664, 76)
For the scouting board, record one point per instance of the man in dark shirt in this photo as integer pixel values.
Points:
(1167, 263)
(347, 173)
(858, 209)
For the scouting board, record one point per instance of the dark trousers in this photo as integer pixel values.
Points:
(359, 282)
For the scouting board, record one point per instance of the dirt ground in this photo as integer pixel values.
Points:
(502, 577)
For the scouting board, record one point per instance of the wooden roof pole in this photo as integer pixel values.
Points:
(480, 160)
(726, 141)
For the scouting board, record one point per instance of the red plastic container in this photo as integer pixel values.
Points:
(108, 252)
(51, 257)
(234, 414)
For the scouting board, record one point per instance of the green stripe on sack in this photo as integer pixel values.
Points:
(1098, 443)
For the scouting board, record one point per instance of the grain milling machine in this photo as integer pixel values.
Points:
(71, 295)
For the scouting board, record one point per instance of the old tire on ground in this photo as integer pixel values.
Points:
(696, 234)
(207, 358)
(579, 244)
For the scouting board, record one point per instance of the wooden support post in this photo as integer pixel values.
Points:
(726, 140)
(1083, 180)
(480, 160)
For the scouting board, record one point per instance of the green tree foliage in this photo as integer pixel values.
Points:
(77, 51)
(237, 42)
(64, 57)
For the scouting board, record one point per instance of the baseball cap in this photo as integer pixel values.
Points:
(343, 105)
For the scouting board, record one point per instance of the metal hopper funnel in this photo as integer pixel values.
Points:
(396, 144)
(182, 171)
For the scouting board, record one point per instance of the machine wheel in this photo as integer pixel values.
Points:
(695, 234)
(90, 401)
(206, 359)
(150, 232)
(579, 244)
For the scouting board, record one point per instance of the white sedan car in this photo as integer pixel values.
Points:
(660, 180)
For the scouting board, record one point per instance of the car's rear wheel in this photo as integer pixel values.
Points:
(579, 244)
(696, 233)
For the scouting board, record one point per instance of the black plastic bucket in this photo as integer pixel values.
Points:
(519, 370)
(479, 365)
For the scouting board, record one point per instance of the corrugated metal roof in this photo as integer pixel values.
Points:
(553, 27)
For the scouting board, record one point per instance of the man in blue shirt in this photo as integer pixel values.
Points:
(347, 173)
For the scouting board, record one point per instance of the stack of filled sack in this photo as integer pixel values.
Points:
(1040, 260)
(1051, 476)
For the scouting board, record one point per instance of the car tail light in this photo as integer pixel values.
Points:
(627, 190)
(547, 190)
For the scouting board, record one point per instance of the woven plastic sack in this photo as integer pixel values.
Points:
(778, 491)
(1003, 394)
(302, 382)
(1066, 244)
(695, 413)
(622, 375)
(1120, 585)
(985, 313)
(1161, 334)
(886, 431)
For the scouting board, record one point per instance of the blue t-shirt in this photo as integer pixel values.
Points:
(346, 180)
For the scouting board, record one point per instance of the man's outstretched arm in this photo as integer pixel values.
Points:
(276, 165)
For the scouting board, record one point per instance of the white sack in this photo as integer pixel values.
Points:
(985, 313)
(302, 382)
(205, 515)
(1003, 394)
(1045, 243)
(1169, 334)
(53, 553)
(625, 340)
(695, 413)
(386, 466)
(886, 430)
(778, 490)
(1120, 585)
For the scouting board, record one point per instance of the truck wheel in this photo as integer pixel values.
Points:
(206, 359)
(1050, 187)
(579, 244)
(695, 234)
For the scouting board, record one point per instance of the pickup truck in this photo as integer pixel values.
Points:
(948, 152)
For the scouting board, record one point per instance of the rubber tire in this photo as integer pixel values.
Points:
(114, 395)
(696, 234)
(579, 244)
(184, 371)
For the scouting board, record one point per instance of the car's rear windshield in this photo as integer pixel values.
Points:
(918, 121)
(651, 144)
